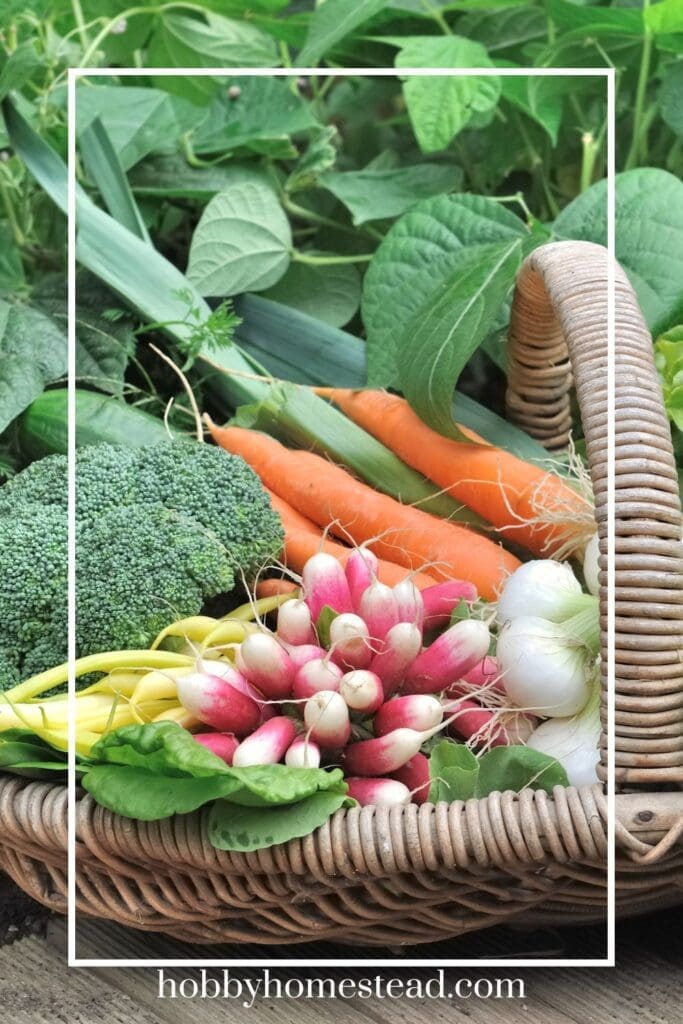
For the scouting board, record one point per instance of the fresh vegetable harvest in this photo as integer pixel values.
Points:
(297, 697)
(527, 505)
(331, 497)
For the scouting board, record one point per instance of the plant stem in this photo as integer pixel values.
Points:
(329, 261)
(326, 222)
(11, 212)
(80, 22)
(590, 151)
(636, 148)
(438, 17)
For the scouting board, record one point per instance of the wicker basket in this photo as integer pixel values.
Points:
(415, 874)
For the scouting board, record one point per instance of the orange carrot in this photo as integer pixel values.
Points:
(299, 548)
(273, 588)
(291, 519)
(328, 495)
(513, 495)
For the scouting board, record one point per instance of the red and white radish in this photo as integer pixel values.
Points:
(440, 600)
(267, 745)
(222, 744)
(402, 645)
(314, 676)
(470, 721)
(448, 657)
(326, 716)
(350, 641)
(229, 673)
(384, 754)
(362, 691)
(294, 623)
(217, 703)
(324, 583)
(361, 569)
(378, 609)
(415, 775)
(303, 753)
(266, 665)
(304, 653)
(419, 711)
(409, 604)
(379, 792)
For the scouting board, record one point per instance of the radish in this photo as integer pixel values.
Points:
(229, 673)
(266, 665)
(361, 570)
(362, 691)
(385, 754)
(415, 775)
(419, 711)
(378, 609)
(303, 753)
(440, 600)
(324, 583)
(401, 646)
(222, 744)
(304, 653)
(518, 726)
(470, 721)
(327, 719)
(484, 673)
(350, 641)
(444, 661)
(294, 624)
(314, 676)
(267, 745)
(380, 792)
(409, 604)
(217, 703)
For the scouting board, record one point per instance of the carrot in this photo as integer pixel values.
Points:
(399, 533)
(292, 520)
(273, 588)
(298, 548)
(513, 495)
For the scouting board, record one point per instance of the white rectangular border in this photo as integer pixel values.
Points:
(73, 75)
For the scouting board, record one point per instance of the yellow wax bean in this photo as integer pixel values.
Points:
(105, 662)
(159, 685)
(194, 628)
(254, 609)
(179, 715)
(225, 632)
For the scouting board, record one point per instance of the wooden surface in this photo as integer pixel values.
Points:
(36, 988)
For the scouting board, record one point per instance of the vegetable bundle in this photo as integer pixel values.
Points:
(354, 675)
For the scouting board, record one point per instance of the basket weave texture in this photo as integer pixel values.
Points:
(406, 875)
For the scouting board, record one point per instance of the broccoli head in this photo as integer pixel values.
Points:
(33, 580)
(160, 530)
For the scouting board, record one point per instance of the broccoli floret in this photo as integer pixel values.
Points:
(160, 530)
(33, 581)
(134, 576)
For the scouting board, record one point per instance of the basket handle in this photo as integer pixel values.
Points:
(559, 325)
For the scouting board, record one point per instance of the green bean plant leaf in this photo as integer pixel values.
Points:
(437, 343)
(242, 242)
(414, 259)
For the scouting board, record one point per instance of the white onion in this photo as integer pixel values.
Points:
(543, 669)
(573, 742)
(544, 588)
(590, 565)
